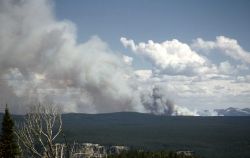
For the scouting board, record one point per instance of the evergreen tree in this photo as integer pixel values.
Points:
(8, 145)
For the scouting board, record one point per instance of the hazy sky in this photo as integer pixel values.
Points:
(159, 56)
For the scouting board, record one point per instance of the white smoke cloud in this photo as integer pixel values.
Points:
(226, 68)
(172, 57)
(41, 61)
(185, 111)
(128, 60)
(191, 77)
(143, 75)
(228, 46)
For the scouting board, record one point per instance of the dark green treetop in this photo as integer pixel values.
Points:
(8, 144)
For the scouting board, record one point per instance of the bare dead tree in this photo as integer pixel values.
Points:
(41, 127)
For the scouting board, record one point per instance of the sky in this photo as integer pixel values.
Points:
(160, 21)
(157, 20)
(162, 57)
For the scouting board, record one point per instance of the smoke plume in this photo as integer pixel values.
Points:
(157, 103)
(41, 61)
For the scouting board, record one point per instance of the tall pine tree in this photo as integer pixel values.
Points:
(8, 145)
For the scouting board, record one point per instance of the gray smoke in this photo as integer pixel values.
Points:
(41, 61)
(156, 102)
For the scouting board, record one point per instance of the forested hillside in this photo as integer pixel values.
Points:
(217, 137)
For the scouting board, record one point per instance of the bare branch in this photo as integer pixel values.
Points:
(41, 127)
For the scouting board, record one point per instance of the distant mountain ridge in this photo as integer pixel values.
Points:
(233, 112)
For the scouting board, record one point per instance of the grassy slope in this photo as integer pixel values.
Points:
(212, 137)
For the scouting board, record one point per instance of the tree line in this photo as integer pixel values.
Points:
(36, 137)
(150, 154)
